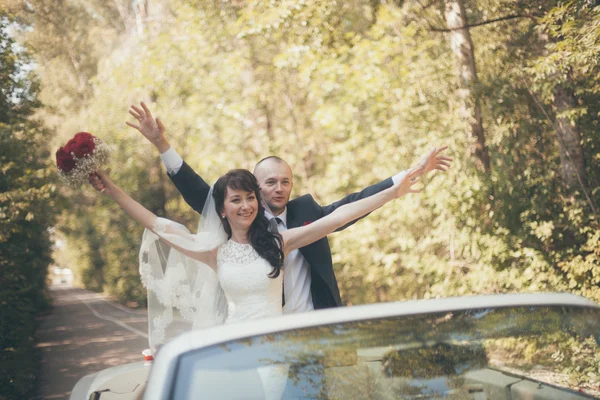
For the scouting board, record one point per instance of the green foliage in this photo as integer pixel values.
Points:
(348, 93)
(549, 231)
(27, 214)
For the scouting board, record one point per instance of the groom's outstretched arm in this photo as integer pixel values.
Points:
(191, 186)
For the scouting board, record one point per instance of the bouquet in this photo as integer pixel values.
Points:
(83, 155)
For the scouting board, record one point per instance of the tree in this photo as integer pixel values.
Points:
(27, 202)
(462, 46)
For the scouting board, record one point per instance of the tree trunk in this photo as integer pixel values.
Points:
(124, 16)
(140, 7)
(462, 46)
(567, 132)
(569, 142)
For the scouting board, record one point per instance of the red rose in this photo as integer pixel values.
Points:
(64, 160)
(70, 146)
(86, 135)
(306, 223)
(81, 144)
(83, 137)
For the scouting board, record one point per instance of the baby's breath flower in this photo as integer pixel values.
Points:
(86, 165)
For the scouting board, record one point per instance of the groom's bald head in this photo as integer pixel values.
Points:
(268, 162)
(274, 176)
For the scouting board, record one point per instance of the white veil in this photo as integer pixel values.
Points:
(183, 293)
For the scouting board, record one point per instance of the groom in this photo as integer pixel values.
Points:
(309, 279)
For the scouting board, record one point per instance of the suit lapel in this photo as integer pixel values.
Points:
(292, 220)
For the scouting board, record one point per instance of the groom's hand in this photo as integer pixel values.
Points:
(152, 129)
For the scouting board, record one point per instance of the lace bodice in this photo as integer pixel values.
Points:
(244, 277)
(236, 253)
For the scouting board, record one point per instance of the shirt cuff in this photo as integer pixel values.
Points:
(172, 161)
(399, 176)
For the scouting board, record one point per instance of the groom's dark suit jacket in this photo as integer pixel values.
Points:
(300, 211)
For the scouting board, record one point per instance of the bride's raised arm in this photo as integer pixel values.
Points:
(174, 234)
(305, 235)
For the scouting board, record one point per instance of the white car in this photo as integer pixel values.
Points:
(516, 346)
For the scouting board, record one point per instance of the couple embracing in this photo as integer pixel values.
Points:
(256, 253)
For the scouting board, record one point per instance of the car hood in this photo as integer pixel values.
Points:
(126, 378)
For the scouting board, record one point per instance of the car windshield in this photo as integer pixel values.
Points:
(548, 352)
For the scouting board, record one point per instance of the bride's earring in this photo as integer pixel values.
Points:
(222, 216)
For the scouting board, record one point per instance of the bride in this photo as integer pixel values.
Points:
(246, 256)
(234, 239)
(231, 269)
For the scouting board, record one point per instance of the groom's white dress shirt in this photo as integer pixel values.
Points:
(296, 271)
(296, 275)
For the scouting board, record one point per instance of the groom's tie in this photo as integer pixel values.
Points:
(274, 223)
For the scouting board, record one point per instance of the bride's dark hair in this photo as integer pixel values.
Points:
(267, 244)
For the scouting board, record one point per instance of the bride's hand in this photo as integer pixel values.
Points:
(407, 185)
(99, 181)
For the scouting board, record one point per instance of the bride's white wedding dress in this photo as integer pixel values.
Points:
(244, 277)
(250, 294)
(185, 294)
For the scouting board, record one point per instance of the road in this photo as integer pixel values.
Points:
(85, 333)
